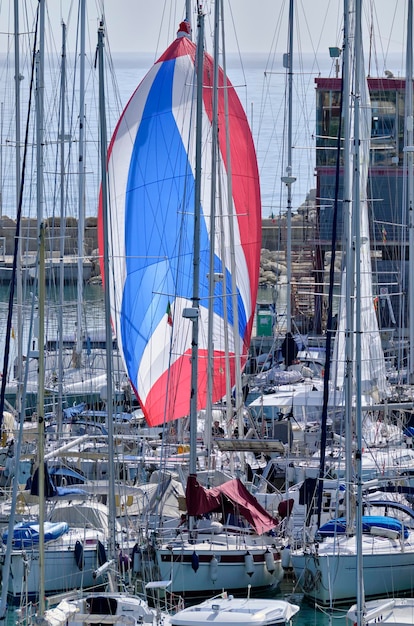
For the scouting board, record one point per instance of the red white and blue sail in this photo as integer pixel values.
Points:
(151, 182)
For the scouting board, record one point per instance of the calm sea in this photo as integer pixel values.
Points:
(310, 615)
(261, 86)
(92, 315)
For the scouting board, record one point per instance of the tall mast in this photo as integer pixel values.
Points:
(349, 256)
(288, 179)
(19, 287)
(108, 328)
(360, 88)
(233, 265)
(41, 297)
(17, 78)
(62, 228)
(212, 282)
(194, 312)
(410, 172)
(81, 186)
(188, 13)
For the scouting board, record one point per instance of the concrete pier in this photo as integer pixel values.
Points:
(54, 232)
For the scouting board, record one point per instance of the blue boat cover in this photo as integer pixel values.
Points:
(338, 526)
(26, 534)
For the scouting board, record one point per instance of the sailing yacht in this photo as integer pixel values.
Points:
(329, 570)
(166, 246)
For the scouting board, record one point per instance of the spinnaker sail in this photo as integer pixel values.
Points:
(151, 179)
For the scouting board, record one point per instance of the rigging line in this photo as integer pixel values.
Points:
(17, 238)
(329, 324)
(310, 31)
(270, 63)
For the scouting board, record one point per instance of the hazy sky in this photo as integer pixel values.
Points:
(142, 24)
(135, 24)
(251, 25)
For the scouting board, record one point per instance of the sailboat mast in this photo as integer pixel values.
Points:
(188, 12)
(108, 328)
(19, 286)
(289, 179)
(81, 185)
(41, 421)
(233, 265)
(41, 297)
(410, 182)
(359, 86)
(349, 258)
(212, 282)
(193, 313)
(62, 229)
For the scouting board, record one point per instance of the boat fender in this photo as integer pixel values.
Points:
(78, 552)
(286, 562)
(195, 561)
(136, 559)
(213, 568)
(270, 561)
(249, 564)
(100, 548)
(290, 473)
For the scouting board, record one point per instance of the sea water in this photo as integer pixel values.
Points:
(307, 616)
(261, 87)
(310, 614)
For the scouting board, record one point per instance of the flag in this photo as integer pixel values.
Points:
(169, 316)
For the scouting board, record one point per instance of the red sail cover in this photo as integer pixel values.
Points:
(201, 501)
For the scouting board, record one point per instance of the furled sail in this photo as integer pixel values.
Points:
(151, 177)
(373, 374)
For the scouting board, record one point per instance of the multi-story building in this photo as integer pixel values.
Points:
(386, 190)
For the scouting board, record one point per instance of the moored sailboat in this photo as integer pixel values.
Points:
(393, 610)
(329, 570)
(162, 238)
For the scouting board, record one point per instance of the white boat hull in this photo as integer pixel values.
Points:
(218, 568)
(225, 610)
(395, 611)
(329, 576)
(62, 572)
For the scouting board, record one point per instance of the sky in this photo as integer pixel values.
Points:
(250, 25)
(254, 25)
(256, 22)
